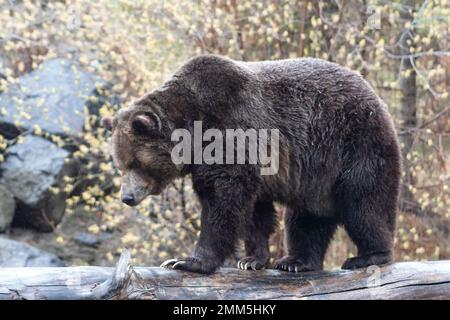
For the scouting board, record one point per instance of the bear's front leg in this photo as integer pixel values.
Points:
(216, 242)
(227, 197)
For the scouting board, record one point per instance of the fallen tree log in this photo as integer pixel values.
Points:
(403, 280)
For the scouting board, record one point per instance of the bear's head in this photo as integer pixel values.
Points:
(141, 150)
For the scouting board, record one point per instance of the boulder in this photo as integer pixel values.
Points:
(7, 208)
(54, 97)
(15, 254)
(91, 240)
(31, 171)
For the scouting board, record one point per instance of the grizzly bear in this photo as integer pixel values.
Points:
(339, 159)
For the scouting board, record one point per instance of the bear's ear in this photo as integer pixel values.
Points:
(107, 123)
(146, 124)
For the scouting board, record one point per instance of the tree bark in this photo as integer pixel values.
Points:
(404, 280)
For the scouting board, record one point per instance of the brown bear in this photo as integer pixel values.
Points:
(339, 159)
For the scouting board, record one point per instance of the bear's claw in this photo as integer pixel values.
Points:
(189, 264)
(292, 264)
(168, 263)
(250, 263)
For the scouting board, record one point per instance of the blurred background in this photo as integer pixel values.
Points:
(65, 64)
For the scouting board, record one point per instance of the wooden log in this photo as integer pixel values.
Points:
(403, 280)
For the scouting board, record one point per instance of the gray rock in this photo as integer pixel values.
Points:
(53, 97)
(90, 240)
(31, 168)
(15, 254)
(86, 239)
(7, 208)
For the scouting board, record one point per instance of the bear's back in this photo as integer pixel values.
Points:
(312, 74)
(292, 68)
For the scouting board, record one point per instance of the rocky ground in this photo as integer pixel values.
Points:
(39, 114)
(72, 243)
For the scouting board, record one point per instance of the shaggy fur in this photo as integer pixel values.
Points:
(339, 159)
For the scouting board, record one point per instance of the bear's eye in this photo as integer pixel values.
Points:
(134, 164)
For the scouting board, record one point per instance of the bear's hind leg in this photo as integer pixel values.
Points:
(370, 224)
(368, 207)
(307, 239)
(256, 238)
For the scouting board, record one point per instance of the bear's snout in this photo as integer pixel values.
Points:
(129, 199)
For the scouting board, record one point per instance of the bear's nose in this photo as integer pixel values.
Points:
(128, 199)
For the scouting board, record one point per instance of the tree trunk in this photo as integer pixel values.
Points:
(405, 280)
(408, 108)
(301, 34)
